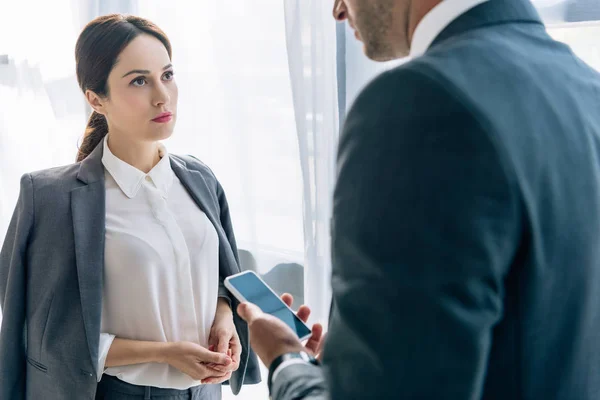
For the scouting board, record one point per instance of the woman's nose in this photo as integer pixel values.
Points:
(161, 95)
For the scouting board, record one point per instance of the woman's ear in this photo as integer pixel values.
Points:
(96, 102)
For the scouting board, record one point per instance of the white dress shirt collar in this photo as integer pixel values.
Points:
(130, 179)
(436, 21)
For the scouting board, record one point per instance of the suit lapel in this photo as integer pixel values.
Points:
(202, 194)
(89, 224)
(195, 183)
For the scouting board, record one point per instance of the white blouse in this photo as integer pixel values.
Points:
(161, 268)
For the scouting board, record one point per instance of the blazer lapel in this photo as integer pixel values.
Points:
(88, 211)
(196, 185)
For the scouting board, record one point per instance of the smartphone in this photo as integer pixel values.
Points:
(248, 286)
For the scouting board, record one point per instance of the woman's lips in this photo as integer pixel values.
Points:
(163, 118)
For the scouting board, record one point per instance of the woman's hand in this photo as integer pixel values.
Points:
(224, 339)
(194, 360)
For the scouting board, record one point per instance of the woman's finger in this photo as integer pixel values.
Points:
(223, 343)
(218, 368)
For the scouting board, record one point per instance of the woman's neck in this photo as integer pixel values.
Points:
(141, 155)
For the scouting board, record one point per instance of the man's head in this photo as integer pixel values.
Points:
(384, 26)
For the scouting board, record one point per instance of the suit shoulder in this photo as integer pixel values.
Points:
(403, 88)
(195, 164)
(407, 93)
(191, 162)
(57, 177)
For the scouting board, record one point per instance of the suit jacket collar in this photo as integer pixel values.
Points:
(91, 169)
(492, 12)
(436, 21)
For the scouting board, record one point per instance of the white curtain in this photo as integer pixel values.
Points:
(43, 111)
(311, 45)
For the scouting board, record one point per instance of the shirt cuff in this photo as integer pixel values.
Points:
(106, 340)
(284, 365)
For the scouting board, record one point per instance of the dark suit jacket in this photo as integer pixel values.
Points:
(51, 276)
(466, 226)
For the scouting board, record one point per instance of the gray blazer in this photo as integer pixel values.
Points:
(51, 277)
(466, 224)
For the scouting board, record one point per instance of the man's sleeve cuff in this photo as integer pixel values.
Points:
(284, 365)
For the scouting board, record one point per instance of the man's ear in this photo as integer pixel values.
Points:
(96, 102)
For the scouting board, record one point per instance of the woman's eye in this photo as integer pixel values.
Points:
(168, 75)
(138, 81)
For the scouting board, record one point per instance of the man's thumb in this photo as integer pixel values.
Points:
(249, 312)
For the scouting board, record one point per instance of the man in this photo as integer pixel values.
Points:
(466, 226)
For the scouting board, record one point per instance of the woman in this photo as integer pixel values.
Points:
(115, 265)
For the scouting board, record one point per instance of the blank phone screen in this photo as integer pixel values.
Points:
(255, 291)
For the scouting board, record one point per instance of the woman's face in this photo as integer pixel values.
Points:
(141, 88)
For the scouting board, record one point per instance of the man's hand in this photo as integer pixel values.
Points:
(317, 340)
(270, 337)
(224, 339)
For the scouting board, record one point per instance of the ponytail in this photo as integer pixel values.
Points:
(96, 130)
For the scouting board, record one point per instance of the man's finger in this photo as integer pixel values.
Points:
(315, 338)
(322, 343)
(288, 299)
(303, 313)
(249, 312)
